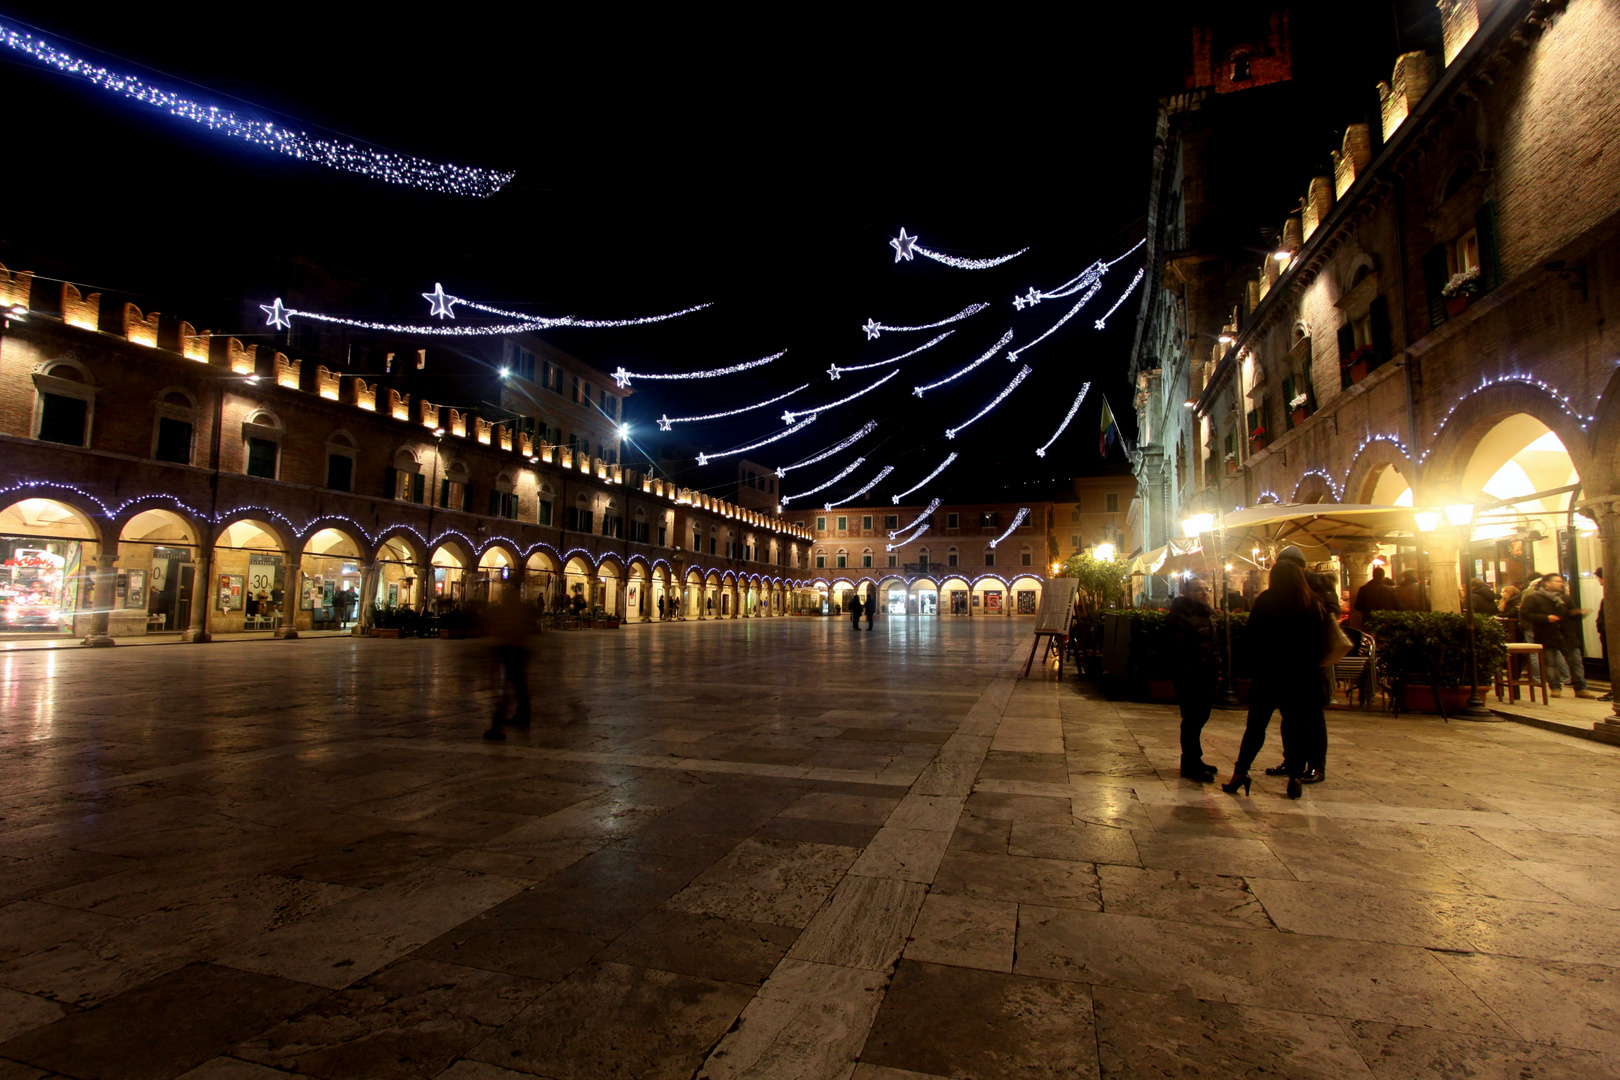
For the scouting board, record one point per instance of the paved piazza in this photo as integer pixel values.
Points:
(770, 849)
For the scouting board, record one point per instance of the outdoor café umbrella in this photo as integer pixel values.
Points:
(1317, 529)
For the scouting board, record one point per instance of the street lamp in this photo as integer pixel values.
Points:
(1461, 517)
(1103, 552)
(1192, 527)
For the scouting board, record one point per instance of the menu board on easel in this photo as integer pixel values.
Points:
(1057, 606)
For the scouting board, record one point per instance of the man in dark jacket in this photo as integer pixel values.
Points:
(1377, 595)
(1191, 629)
(1411, 594)
(1556, 627)
(1481, 596)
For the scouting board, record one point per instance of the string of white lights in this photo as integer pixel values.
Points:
(664, 422)
(381, 165)
(836, 371)
(913, 538)
(1135, 281)
(1013, 354)
(789, 416)
(874, 328)
(942, 467)
(1083, 280)
(1072, 410)
(857, 463)
(1023, 373)
(997, 347)
(704, 459)
(906, 246)
(874, 482)
(623, 377)
(836, 448)
(545, 322)
(1017, 521)
(918, 520)
(280, 317)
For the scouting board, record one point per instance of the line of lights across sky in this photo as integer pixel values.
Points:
(1006, 339)
(906, 246)
(1083, 280)
(874, 328)
(664, 422)
(1023, 373)
(1072, 410)
(793, 414)
(913, 538)
(942, 467)
(704, 459)
(857, 463)
(1013, 354)
(920, 518)
(280, 317)
(835, 371)
(1135, 281)
(383, 165)
(1017, 521)
(839, 447)
(874, 482)
(623, 377)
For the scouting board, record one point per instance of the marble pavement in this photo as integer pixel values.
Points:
(772, 849)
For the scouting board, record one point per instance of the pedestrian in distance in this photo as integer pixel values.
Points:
(1191, 626)
(1556, 627)
(1288, 629)
(1411, 594)
(871, 610)
(660, 609)
(854, 607)
(1377, 595)
(509, 623)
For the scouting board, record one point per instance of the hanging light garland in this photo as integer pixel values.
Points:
(1017, 521)
(1041, 452)
(1135, 281)
(871, 425)
(1071, 313)
(912, 539)
(942, 467)
(704, 459)
(835, 371)
(389, 167)
(543, 322)
(664, 422)
(823, 487)
(623, 377)
(1084, 280)
(280, 317)
(791, 415)
(906, 246)
(997, 347)
(920, 518)
(874, 328)
(950, 433)
(874, 482)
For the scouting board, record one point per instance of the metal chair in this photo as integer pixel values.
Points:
(1356, 673)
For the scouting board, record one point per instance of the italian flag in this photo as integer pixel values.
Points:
(1110, 430)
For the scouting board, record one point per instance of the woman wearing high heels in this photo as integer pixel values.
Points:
(1285, 642)
(1191, 627)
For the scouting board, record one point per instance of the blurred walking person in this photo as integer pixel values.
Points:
(509, 623)
(1191, 626)
(854, 608)
(871, 610)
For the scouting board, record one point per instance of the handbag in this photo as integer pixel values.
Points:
(1335, 644)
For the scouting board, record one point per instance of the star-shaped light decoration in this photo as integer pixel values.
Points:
(703, 459)
(832, 373)
(439, 304)
(278, 315)
(1040, 451)
(872, 329)
(896, 499)
(917, 390)
(780, 473)
(664, 422)
(789, 417)
(1100, 323)
(1033, 296)
(622, 377)
(902, 246)
(1020, 303)
(950, 433)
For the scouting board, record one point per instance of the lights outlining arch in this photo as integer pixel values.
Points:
(942, 467)
(906, 246)
(791, 415)
(1023, 373)
(664, 422)
(835, 371)
(1013, 355)
(918, 520)
(874, 482)
(1135, 281)
(874, 328)
(1041, 452)
(1006, 339)
(1017, 521)
(704, 459)
(870, 426)
(857, 463)
(384, 165)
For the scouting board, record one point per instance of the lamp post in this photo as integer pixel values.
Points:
(1193, 527)
(1461, 517)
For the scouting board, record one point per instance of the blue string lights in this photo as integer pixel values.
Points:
(623, 377)
(384, 165)
(1012, 356)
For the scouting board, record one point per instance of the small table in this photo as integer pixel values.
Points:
(157, 621)
(1522, 652)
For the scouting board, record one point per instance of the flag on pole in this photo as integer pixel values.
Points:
(1110, 430)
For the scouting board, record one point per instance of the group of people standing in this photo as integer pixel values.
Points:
(856, 607)
(1291, 623)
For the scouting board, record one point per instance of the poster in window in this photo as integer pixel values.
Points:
(135, 591)
(231, 588)
(1026, 601)
(393, 594)
(992, 600)
(632, 596)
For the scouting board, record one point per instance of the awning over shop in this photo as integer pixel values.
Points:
(1319, 530)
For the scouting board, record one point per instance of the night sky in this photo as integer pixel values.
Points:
(760, 161)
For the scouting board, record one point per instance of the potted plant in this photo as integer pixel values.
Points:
(455, 622)
(386, 622)
(1460, 291)
(1242, 668)
(1298, 403)
(1231, 463)
(1150, 664)
(1355, 365)
(1257, 440)
(1434, 644)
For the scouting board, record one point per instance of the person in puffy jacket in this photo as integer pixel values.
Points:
(1556, 627)
(1191, 627)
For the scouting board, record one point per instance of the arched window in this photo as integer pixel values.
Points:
(341, 451)
(262, 433)
(1026, 556)
(580, 518)
(405, 481)
(455, 488)
(174, 426)
(546, 496)
(503, 500)
(866, 558)
(953, 557)
(821, 559)
(64, 402)
(841, 560)
(922, 559)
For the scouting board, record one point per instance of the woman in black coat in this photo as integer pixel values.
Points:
(1191, 628)
(1285, 644)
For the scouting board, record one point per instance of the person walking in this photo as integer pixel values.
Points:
(660, 609)
(854, 608)
(508, 623)
(1556, 627)
(1191, 628)
(1411, 594)
(1287, 628)
(1377, 595)
(871, 609)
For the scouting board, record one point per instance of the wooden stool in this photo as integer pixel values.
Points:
(1521, 652)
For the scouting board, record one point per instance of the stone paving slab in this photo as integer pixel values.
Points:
(770, 850)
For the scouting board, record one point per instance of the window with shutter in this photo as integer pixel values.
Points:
(1435, 275)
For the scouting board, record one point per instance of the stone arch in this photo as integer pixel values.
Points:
(1369, 472)
(177, 396)
(1477, 415)
(398, 541)
(1315, 487)
(264, 416)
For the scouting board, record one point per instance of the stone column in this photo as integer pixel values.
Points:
(370, 581)
(289, 600)
(1445, 591)
(201, 582)
(104, 590)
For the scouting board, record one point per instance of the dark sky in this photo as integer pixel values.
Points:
(760, 160)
